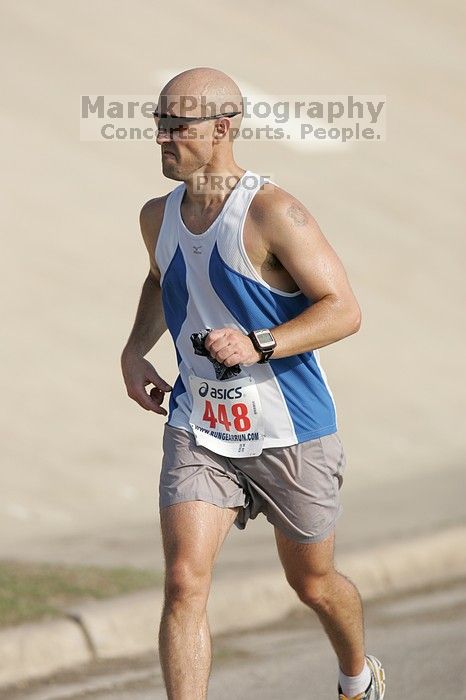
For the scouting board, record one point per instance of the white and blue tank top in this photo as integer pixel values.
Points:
(208, 281)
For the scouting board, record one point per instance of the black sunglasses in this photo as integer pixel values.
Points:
(170, 122)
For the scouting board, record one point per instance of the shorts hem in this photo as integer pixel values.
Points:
(310, 539)
(221, 503)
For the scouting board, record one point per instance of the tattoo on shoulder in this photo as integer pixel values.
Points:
(298, 214)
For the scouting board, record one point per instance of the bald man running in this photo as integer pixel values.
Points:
(249, 289)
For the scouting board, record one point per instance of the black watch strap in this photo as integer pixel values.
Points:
(266, 355)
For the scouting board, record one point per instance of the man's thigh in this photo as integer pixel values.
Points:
(193, 533)
(302, 561)
(199, 499)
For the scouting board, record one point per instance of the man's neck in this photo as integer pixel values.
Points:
(208, 189)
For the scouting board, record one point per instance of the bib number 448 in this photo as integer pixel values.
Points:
(239, 416)
(226, 416)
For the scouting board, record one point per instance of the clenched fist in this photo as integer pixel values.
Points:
(231, 347)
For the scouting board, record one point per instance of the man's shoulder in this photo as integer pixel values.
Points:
(152, 211)
(273, 205)
(150, 221)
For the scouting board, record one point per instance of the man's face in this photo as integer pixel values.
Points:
(186, 146)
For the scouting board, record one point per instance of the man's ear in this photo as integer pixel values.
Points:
(221, 129)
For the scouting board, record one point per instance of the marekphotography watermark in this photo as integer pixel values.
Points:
(334, 118)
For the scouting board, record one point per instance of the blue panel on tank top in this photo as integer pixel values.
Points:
(259, 305)
(175, 303)
(175, 294)
(255, 306)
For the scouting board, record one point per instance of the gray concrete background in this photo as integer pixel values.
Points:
(79, 460)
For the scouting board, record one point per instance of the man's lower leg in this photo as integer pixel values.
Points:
(339, 609)
(185, 650)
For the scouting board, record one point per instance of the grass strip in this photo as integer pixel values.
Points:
(30, 591)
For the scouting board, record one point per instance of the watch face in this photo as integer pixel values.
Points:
(265, 337)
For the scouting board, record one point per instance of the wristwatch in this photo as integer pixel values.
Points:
(264, 342)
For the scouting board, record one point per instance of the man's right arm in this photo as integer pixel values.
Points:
(149, 324)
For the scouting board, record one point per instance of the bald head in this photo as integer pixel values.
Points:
(201, 92)
(200, 143)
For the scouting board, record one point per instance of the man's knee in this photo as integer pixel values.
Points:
(314, 590)
(187, 583)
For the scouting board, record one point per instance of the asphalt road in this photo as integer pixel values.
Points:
(421, 639)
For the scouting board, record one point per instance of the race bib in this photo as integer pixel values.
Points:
(227, 416)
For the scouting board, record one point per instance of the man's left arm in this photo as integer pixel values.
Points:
(293, 236)
(298, 243)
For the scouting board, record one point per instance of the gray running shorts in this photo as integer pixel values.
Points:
(297, 487)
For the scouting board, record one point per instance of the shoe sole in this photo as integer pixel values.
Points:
(378, 674)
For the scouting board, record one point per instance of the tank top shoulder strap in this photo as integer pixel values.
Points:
(242, 197)
(230, 243)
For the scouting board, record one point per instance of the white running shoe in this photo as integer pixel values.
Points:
(376, 689)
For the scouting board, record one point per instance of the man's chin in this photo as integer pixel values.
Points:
(171, 170)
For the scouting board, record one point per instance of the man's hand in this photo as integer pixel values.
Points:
(231, 347)
(138, 373)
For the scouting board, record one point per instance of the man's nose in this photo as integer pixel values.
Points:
(163, 136)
